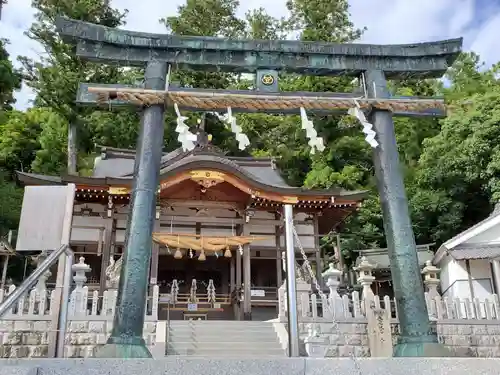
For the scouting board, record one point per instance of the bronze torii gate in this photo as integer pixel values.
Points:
(375, 63)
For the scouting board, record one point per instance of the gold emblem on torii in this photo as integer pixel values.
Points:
(267, 79)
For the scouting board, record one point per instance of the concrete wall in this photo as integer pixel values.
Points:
(455, 278)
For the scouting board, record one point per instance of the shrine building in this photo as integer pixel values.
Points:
(218, 225)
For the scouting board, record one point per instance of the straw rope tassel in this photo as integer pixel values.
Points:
(178, 254)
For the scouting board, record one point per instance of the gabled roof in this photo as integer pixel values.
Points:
(116, 166)
(380, 257)
(455, 245)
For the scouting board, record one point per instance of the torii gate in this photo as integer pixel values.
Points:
(374, 63)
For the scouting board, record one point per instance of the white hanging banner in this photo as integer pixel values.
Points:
(367, 127)
(315, 142)
(186, 138)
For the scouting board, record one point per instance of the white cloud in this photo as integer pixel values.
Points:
(395, 21)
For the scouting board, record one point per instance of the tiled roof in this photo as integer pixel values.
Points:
(475, 251)
(118, 165)
(445, 248)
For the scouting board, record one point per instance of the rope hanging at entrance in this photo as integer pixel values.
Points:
(217, 101)
(202, 243)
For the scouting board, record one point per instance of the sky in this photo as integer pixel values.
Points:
(387, 21)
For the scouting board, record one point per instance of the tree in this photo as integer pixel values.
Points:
(10, 196)
(207, 18)
(462, 163)
(55, 77)
(10, 79)
(10, 203)
(322, 20)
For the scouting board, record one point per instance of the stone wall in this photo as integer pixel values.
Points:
(24, 339)
(343, 339)
(30, 339)
(470, 338)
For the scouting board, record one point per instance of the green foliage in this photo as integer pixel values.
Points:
(10, 79)
(10, 203)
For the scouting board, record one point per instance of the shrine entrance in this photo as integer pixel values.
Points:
(194, 289)
(188, 269)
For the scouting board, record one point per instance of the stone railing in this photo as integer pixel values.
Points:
(27, 329)
(364, 324)
(316, 309)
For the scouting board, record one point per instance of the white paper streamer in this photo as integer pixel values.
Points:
(367, 127)
(315, 142)
(241, 138)
(186, 138)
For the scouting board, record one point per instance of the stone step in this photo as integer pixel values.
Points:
(219, 338)
(223, 328)
(219, 323)
(223, 346)
(266, 337)
(203, 330)
(256, 335)
(251, 352)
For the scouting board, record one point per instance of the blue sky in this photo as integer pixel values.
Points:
(388, 21)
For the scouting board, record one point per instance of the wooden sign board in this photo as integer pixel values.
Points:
(258, 293)
(46, 217)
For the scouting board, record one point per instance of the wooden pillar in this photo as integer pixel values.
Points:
(232, 276)
(4, 271)
(247, 280)
(279, 264)
(238, 280)
(109, 235)
(61, 267)
(155, 254)
(317, 251)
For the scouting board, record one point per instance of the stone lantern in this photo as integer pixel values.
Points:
(80, 269)
(333, 279)
(78, 299)
(332, 275)
(365, 277)
(431, 279)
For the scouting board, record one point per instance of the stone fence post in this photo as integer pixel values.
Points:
(303, 297)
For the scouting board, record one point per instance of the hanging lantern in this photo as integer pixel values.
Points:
(227, 253)
(178, 254)
(202, 256)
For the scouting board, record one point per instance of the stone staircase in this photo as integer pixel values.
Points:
(222, 338)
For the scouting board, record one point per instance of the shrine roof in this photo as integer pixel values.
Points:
(116, 167)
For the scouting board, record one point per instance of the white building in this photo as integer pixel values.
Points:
(470, 261)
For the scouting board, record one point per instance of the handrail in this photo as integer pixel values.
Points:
(168, 328)
(31, 279)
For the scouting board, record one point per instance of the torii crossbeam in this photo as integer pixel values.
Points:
(375, 63)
